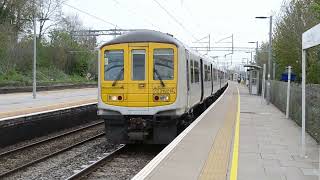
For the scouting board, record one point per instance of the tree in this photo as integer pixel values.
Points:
(48, 10)
(296, 17)
(316, 8)
(59, 55)
(15, 13)
(13, 21)
(76, 54)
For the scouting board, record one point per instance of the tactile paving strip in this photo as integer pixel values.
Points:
(216, 166)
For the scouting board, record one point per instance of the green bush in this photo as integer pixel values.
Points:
(45, 76)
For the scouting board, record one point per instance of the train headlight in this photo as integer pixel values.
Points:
(161, 97)
(164, 98)
(115, 98)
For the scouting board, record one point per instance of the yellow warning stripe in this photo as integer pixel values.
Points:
(216, 166)
(235, 155)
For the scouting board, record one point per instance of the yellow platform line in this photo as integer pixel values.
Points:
(235, 155)
(216, 165)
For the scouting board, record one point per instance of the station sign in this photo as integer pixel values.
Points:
(311, 37)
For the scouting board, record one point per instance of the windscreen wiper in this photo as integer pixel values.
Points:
(159, 77)
(118, 77)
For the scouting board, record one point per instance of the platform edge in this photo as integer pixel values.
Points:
(163, 154)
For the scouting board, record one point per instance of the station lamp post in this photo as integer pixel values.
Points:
(269, 57)
(34, 79)
(34, 69)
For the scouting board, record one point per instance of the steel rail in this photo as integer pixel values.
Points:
(92, 167)
(49, 139)
(2, 175)
(48, 156)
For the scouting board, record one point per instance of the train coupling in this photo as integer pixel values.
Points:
(138, 129)
(137, 124)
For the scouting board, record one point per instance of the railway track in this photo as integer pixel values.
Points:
(123, 162)
(12, 162)
(95, 165)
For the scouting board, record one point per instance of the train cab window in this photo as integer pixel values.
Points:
(138, 64)
(196, 72)
(163, 64)
(113, 65)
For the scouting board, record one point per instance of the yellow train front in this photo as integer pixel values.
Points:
(144, 87)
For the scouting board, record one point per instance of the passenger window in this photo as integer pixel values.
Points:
(206, 74)
(209, 73)
(187, 68)
(163, 64)
(138, 65)
(214, 75)
(196, 72)
(113, 65)
(192, 71)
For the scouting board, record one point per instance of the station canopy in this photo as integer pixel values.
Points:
(251, 66)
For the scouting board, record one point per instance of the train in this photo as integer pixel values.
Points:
(151, 86)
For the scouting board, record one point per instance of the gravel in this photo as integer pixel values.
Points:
(19, 158)
(127, 164)
(62, 165)
(37, 139)
(123, 166)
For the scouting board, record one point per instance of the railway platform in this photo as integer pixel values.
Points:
(237, 137)
(22, 104)
(23, 118)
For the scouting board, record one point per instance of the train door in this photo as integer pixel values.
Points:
(188, 78)
(138, 80)
(211, 77)
(201, 79)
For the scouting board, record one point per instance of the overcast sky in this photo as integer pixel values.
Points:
(197, 19)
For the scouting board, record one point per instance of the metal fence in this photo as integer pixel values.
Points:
(279, 98)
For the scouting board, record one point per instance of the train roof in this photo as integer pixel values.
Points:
(137, 36)
(144, 35)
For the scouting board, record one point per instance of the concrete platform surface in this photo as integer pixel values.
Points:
(22, 103)
(252, 142)
(270, 144)
(203, 150)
